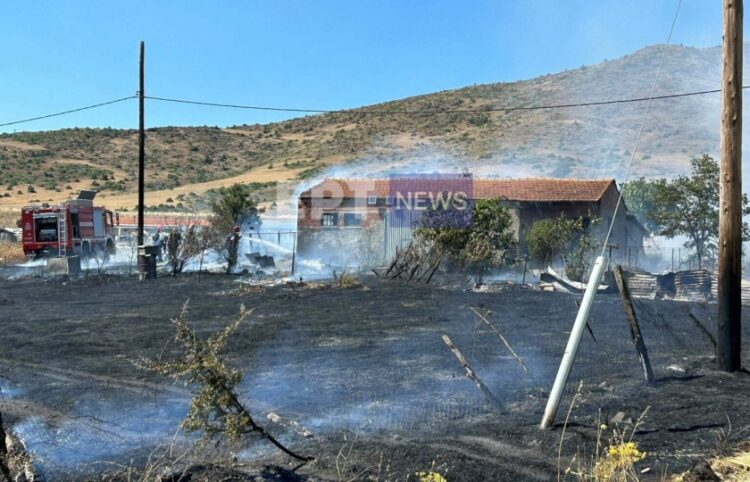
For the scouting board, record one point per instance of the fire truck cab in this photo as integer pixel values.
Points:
(75, 227)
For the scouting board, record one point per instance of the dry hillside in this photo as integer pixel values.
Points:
(576, 141)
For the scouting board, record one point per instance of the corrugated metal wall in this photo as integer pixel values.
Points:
(398, 231)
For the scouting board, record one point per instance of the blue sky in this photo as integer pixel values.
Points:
(313, 54)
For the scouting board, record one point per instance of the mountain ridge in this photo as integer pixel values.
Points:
(451, 130)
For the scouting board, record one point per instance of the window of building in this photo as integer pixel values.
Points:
(372, 200)
(390, 200)
(329, 219)
(352, 219)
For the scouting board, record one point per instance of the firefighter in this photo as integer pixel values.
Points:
(156, 240)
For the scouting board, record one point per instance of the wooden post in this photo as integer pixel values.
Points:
(635, 330)
(472, 375)
(141, 148)
(730, 193)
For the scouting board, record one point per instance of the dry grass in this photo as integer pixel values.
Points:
(345, 280)
(734, 467)
(612, 461)
(11, 253)
(8, 217)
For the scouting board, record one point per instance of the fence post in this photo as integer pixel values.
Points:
(635, 329)
(672, 260)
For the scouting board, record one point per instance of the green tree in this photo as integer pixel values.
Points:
(549, 238)
(640, 196)
(577, 261)
(689, 206)
(232, 206)
(476, 240)
(563, 238)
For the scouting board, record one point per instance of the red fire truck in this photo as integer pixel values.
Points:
(75, 227)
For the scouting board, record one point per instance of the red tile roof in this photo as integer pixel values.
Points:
(163, 220)
(527, 189)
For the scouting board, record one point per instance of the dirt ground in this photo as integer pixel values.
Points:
(365, 370)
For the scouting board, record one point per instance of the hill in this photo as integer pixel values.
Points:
(422, 135)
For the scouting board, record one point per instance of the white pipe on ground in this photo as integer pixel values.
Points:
(575, 337)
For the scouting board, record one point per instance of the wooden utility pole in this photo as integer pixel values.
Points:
(141, 151)
(730, 192)
(635, 329)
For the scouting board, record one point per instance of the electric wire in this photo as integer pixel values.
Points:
(640, 129)
(71, 111)
(369, 110)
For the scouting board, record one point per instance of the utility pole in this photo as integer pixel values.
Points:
(730, 192)
(141, 151)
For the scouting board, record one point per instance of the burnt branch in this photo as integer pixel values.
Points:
(471, 374)
(503, 339)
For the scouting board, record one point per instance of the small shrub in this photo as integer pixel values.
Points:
(431, 476)
(215, 409)
(345, 280)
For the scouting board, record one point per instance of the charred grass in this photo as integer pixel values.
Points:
(365, 366)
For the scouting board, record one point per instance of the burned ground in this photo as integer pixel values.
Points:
(365, 370)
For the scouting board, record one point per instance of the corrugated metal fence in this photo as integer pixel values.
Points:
(693, 285)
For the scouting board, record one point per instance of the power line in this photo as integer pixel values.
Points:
(640, 128)
(79, 109)
(249, 107)
(367, 110)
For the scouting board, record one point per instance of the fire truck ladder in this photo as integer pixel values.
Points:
(62, 232)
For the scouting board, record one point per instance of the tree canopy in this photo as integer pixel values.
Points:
(475, 239)
(232, 205)
(549, 238)
(689, 206)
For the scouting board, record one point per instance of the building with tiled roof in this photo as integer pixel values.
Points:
(335, 214)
